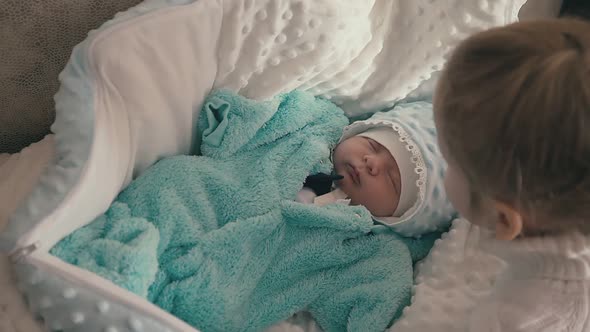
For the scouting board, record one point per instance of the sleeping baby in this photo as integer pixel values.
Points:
(391, 165)
(219, 241)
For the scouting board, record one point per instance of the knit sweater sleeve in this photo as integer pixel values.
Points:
(532, 305)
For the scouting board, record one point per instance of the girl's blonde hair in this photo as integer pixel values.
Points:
(513, 104)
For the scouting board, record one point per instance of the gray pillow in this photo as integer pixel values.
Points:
(36, 39)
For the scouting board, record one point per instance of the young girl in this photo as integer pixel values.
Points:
(511, 109)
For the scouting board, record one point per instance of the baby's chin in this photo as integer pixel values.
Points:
(380, 215)
(375, 211)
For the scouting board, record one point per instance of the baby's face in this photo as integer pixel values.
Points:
(371, 175)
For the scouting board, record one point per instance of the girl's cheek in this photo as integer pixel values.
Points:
(457, 192)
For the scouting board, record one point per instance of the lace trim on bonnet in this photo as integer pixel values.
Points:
(404, 137)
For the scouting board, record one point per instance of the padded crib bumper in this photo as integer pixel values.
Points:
(132, 91)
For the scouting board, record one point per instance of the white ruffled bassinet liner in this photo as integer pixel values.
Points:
(132, 90)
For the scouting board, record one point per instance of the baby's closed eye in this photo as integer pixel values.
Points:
(374, 145)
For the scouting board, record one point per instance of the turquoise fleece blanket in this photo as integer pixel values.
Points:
(218, 241)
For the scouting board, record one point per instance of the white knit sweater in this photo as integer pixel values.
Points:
(545, 287)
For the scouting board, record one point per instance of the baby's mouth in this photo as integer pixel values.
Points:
(354, 174)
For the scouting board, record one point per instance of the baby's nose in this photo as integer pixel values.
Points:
(372, 164)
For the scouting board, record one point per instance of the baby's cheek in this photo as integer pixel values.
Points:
(380, 203)
(338, 169)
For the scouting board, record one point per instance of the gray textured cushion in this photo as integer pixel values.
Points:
(36, 39)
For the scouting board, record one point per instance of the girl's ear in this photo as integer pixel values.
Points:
(509, 223)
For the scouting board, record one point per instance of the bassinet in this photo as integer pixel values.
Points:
(131, 92)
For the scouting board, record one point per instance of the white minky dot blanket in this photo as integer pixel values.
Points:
(455, 276)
